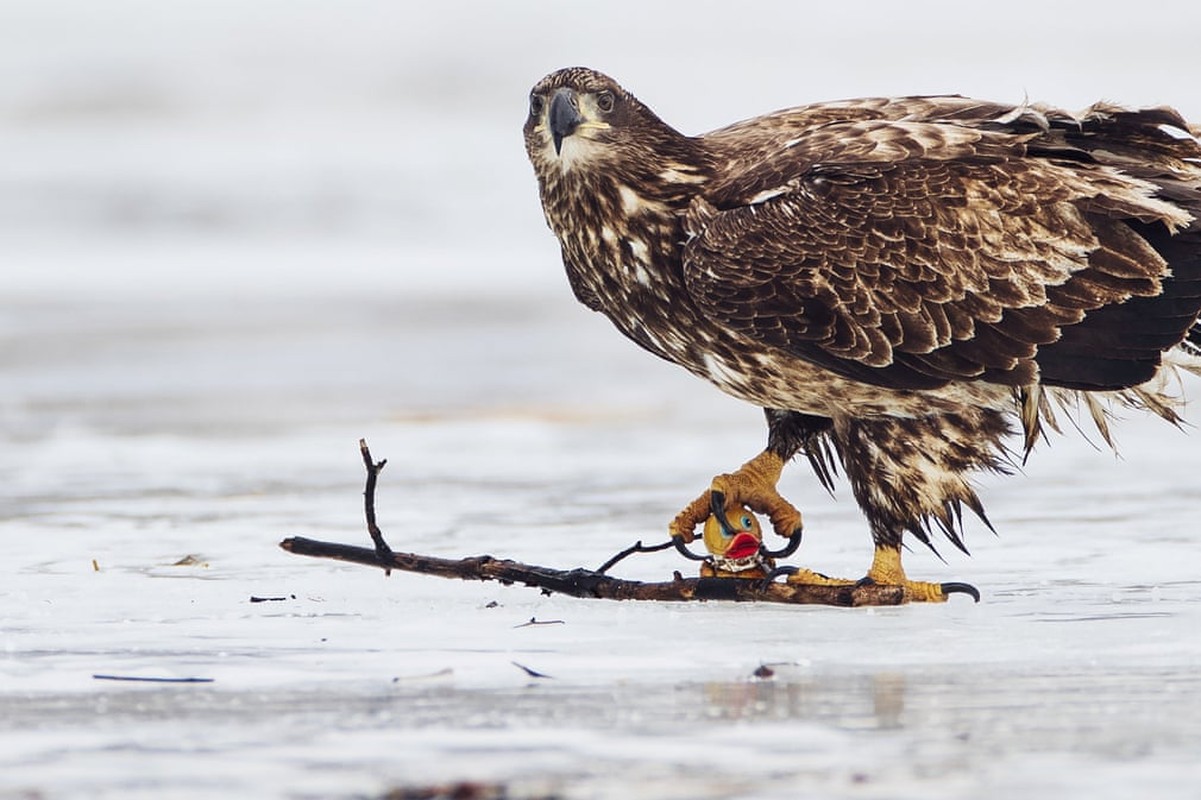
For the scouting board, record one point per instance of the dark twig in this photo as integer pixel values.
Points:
(139, 679)
(533, 673)
(582, 582)
(636, 547)
(377, 537)
(586, 583)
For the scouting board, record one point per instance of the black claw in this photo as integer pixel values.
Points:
(684, 551)
(794, 541)
(717, 505)
(961, 588)
(777, 572)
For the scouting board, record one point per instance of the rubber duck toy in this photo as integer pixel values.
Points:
(735, 547)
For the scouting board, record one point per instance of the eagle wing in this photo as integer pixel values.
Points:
(910, 254)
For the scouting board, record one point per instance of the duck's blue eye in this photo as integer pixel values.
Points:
(746, 522)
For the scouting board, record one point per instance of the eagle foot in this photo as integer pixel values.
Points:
(886, 570)
(913, 591)
(753, 486)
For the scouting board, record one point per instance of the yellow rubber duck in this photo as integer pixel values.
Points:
(735, 551)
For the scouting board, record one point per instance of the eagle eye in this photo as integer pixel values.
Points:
(537, 102)
(604, 101)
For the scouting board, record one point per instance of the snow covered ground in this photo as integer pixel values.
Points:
(237, 237)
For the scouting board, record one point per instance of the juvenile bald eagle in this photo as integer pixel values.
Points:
(900, 283)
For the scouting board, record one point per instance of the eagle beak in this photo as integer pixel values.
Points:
(564, 117)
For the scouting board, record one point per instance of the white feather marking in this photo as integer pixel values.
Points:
(681, 175)
(630, 201)
(1178, 133)
(719, 372)
(639, 251)
(768, 194)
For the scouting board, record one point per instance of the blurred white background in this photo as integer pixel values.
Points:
(295, 146)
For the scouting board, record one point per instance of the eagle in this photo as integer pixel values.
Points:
(902, 284)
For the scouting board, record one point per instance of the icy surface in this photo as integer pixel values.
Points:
(238, 237)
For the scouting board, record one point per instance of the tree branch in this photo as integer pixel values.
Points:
(588, 583)
(382, 551)
(580, 582)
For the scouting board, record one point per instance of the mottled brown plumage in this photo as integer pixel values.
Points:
(894, 280)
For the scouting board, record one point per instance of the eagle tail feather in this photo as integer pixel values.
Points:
(821, 454)
(948, 520)
(1100, 416)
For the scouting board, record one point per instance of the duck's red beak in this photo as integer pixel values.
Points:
(743, 546)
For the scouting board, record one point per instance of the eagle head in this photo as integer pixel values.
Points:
(581, 119)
